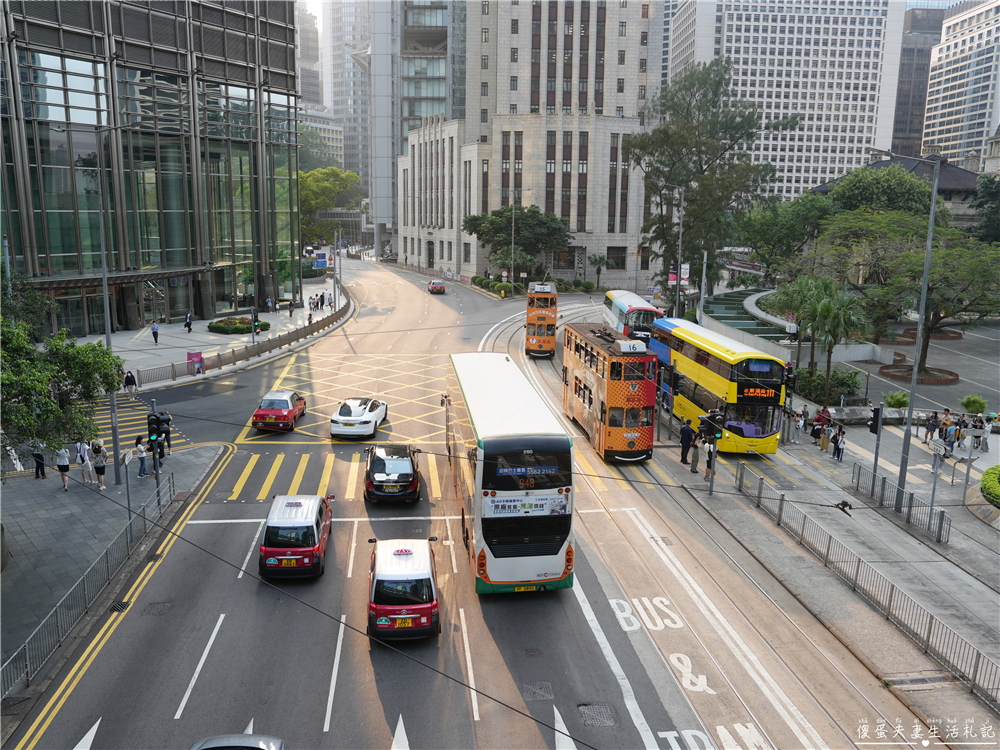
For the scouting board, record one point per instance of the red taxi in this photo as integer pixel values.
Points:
(435, 286)
(402, 589)
(279, 410)
(295, 537)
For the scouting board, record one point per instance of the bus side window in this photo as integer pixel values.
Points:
(616, 370)
(550, 329)
(604, 413)
(531, 301)
(565, 376)
(531, 329)
(590, 399)
(647, 417)
(616, 415)
(651, 371)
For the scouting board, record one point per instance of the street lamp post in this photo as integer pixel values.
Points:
(680, 245)
(921, 312)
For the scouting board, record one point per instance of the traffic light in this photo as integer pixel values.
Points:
(256, 322)
(153, 426)
(676, 380)
(873, 422)
(715, 420)
(705, 426)
(789, 377)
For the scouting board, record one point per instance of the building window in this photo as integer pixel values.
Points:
(583, 85)
(513, 83)
(643, 39)
(598, 85)
(583, 167)
(644, 258)
(513, 54)
(645, 10)
(536, 27)
(616, 257)
(484, 115)
(550, 166)
(568, 138)
(621, 85)
(621, 56)
(536, 55)
(518, 137)
(619, 112)
(518, 166)
(567, 84)
(622, 28)
(581, 223)
(513, 26)
(504, 137)
(600, 28)
(642, 92)
(486, 35)
(505, 166)
(466, 252)
(550, 138)
(486, 8)
(584, 139)
(567, 168)
(484, 62)
(513, 109)
(484, 89)
(642, 65)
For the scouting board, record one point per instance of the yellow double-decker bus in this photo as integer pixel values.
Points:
(718, 372)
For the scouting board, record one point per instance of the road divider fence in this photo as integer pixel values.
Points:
(888, 495)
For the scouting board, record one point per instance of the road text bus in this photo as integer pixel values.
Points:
(629, 314)
(512, 464)
(540, 332)
(720, 373)
(609, 388)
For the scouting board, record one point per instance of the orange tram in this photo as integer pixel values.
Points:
(540, 332)
(609, 388)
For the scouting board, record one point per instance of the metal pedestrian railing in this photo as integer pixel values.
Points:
(28, 660)
(937, 640)
(238, 353)
(888, 495)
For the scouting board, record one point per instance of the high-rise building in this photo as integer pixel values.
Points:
(669, 9)
(921, 31)
(833, 63)
(963, 105)
(551, 92)
(346, 33)
(307, 57)
(332, 135)
(156, 140)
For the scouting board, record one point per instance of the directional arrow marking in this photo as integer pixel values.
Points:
(399, 741)
(88, 738)
(563, 741)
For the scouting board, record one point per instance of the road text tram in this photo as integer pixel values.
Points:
(718, 372)
(609, 388)
(540, 332)
(629, 314)
(512, 464)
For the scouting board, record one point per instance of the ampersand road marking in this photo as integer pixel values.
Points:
(695, 684)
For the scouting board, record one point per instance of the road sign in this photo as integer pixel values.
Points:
(126, 457)
(504, 274)
(938, 446)
(975, 431)
(524, 275)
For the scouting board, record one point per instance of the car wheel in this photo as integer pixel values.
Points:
(374, 430)
(322, 566)
(291, 427)
(385, 417)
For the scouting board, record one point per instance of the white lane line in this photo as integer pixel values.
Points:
(354, 543)
(468, 662)
(249, 729)
(399, 741)
(253, 543)
(807, 735)
(333, 677)
(451, 546)
(482, 343)
(563, 740)
(197, 671)
(648, 740)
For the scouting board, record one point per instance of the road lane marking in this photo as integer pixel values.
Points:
(482, 342)
(468, 664)
(435, 481)
(354, 544)
(324, 480)
(451, 547)
(299, 473)
(590, 476)
(399, 741)
(238, 488)
(919, 445)
(616, 474)
(333, 677)
(352, 477)
(563, 739)
(253, 544)
(245, 432)
(88, 738)
(667, 481)
(197, 671)
(870, 458)
(271, 476)
(628, 694)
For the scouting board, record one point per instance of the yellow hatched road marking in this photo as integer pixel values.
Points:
(324, 480)
(244, 476)
(667, 481)
(432, 469)
(643, 482)
(594, 479)
(299, 472)
(246, 429)
(352, 477)
(615, 472)
(271, 475)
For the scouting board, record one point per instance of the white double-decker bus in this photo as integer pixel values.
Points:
(512, 464)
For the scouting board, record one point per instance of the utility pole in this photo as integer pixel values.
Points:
(878, 440)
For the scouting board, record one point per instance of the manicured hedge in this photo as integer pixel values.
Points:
(587, 286)
(236, 325)
(991, 485)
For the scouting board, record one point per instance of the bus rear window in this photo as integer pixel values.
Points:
(536, 470)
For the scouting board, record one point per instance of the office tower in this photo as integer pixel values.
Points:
(307, 57)
(159, 139)
(833, 63)
(921, 31)
(669, 9)
(346, 34)
(963, 107)
(332, 134)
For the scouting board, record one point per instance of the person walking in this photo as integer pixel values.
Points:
(99, 456)
(838, 451)
(83, 459)
(800, 425)
(709, 457)
(984, 443)
(950, 436)
(962, 426)
(695, 444)
(155, 328)
(188, 321)
(62, 463)
(686, 435)
(268, 304)
(933, 422)
(166, 433)
(130, 385)
(39, 464)
(140, 452)
(291, 308)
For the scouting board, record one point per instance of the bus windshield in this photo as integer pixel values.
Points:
(534, 470)
(542, 302)
(752, 420)
(642, 318)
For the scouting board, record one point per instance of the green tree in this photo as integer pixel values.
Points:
(49, 392)
(24, 303)
(813, 314)
(776, 231)
(793, 299)
(890, 188)
(987, 205)
(600, 262)
(314, 153)
(532, 233)
(319, 191)
(839, 315)
(703, 142)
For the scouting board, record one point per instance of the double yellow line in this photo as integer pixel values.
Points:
(45, 717)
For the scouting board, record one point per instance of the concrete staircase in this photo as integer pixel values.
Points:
(728, 309)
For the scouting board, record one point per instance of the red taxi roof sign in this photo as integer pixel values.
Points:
(403, 552)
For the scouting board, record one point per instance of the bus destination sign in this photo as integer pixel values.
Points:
(757, 393)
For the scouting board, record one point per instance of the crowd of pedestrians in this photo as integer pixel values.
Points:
(953, 430)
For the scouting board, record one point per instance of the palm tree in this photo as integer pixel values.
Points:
(795, 299)
(814, 314)
(842, 314)
(598, 262)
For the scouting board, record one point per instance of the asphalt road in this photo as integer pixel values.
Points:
(671, 637)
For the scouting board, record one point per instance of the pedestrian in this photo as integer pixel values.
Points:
(824, 440)
(984, 443)
(155, 328)
(39, 464)
(310, 319)
(62, 463)
(99, 457)
(130, 385)
(841, 443)
(291, 308)
(950, 436)
(267, 304)
(709, 457)
(817, 428)
(945, 424)
(140, 452)
(962, 426)
(686, 434)
(695, 444)
(834, 442)
(83, 459)
(166, 432)
(188, 321)
(322, 300)
(800, 425)
(932, 424)
(825, 413)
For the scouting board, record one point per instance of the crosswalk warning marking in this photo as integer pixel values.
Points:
(299, 473)
(271, 476)
(352, 477)
(432, 470)
(238, 488)
(324, 480)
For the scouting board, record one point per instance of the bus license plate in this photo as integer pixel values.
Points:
(524, 588)
(404, 622)
(288, 563)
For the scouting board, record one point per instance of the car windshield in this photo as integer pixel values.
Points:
(289, 536)
(401, 593)
(391, 465)
(275, 403)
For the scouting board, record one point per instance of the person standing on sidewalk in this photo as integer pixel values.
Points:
(686, 434)
(800, 425)
(62, 463)
(291, 308)
(709, 457)
(268, 304)
(838, 451)
(155, 328)
(140, 452)
(130, 385)
(83, 459)
(99, 456)
(188, 321)
(39, 464)
(984, 443)
(695, 444)
(932, 424)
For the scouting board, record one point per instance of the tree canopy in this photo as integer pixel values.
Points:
(987, 205)
(319, 191)
(890, 188)
(533, 233)
(313, 150)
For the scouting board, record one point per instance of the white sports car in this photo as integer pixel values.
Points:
(358, 417)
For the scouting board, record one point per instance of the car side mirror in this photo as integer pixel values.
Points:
(369, 449)
(372, 540)
(416, 450)
(432, 539)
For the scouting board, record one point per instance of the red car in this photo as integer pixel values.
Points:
(435, 286)
(279, 410)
